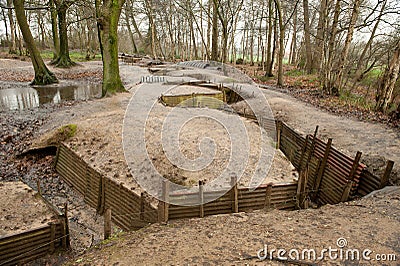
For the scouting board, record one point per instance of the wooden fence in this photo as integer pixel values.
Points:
(32, 244)
(271, 196)
(129, 210)
(332, 176)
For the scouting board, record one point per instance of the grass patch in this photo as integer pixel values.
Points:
(294, 73)
(75, 56)
(355, 100)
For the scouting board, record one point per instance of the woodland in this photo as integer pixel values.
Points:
(349, 48)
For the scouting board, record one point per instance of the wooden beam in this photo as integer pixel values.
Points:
(386, 176)
(321, 171)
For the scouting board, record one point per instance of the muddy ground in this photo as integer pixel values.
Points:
(20, 129)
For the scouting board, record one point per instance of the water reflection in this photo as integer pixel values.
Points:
(26, 97)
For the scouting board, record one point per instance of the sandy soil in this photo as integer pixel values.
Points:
(99, 142)
(234, 239)
(22, 209)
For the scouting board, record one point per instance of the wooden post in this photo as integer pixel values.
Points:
(38, 187)
(52, 237)
(278, 135)
(107, 223)
(268, 194)
(162, 204)
(312, 147)
(301, 188)
(234, 194)
(346, 191)
(350, 181)
(303, 151)
(141, 215)
(321, 171)
(65, 223)
(386, 176)
(201, 198)
(57, 155)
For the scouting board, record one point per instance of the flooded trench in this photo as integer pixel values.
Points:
(18, 96)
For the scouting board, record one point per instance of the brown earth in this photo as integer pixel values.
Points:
(21, 209)
(230, 239)
(235, 239)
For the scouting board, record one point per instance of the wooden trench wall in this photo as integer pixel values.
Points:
(129, 210)
(35, 243)
(327, 176)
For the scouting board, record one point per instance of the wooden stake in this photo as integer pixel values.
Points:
(278, 135)
(201, 198)
(65, 223)
(234, 195)
(38, 187)
(141, 215)
(268, 194)
(321, 171)
(107, 224)
(386, 175)
(346, 191)
(163, 213)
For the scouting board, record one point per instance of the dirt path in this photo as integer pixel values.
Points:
(349, 135)
(232, 239)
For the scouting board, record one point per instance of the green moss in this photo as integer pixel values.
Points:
(62, 134)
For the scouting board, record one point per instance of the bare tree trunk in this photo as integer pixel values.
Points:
(269, 60)
(214, 38)
(42, 73)
(13, 33)
(54, 30)
(281, 52)
(63, 59)
(388, 81)
(307, 37)
(358, 75)
(108, 13)
(293, 56)
(319, 39)
(327, 79)
(345, 51)
(128, 25)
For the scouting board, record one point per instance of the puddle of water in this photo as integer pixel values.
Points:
(26, 97)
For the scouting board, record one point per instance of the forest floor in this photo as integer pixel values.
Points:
(225, 239)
